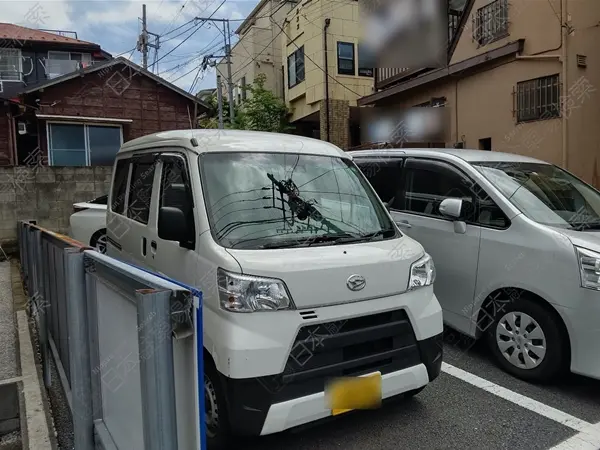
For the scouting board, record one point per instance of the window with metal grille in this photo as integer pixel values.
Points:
(10, 64)
(538, 99)
(491, 22)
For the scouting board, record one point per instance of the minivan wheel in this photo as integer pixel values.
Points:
(527, 341)
(98, 241)
(217, 420)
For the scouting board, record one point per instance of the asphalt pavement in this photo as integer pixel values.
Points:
(471, 405)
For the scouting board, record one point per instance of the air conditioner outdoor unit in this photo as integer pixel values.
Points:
(22, 127)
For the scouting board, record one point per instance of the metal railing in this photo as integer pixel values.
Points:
(123, 340)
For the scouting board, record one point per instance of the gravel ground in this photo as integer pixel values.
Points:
(8, 329)
(11, 441)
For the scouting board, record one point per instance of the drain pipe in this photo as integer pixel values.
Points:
(565, 85)
(327, 23)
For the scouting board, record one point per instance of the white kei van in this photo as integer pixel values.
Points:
(305, 276)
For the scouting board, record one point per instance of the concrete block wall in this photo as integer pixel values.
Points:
(46, 194)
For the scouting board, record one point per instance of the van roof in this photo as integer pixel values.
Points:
(464, 154)
(205, 141)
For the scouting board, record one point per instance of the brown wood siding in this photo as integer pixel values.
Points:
(119, 93)
(5, 138)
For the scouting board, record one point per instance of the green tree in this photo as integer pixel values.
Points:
(210, 119)
(262, 110)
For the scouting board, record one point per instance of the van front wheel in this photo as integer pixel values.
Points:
(527, 341)
(217, 419)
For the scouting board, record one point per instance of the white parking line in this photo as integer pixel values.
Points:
(589, 434)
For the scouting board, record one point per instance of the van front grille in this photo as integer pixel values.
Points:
(382, 342)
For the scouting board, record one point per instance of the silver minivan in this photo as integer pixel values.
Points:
(516, 245)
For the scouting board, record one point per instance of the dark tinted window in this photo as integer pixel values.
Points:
(120, 186)
(427, 183)
(140, 191)
(384, 176)
(175, 191)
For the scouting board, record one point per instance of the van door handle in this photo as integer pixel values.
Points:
(403, 224)
(143, 246)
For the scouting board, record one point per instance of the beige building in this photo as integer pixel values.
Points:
(323, 74)
(522, 77)
(258, 49)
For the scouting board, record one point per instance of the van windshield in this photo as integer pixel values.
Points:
(546, 193)
(278, 200)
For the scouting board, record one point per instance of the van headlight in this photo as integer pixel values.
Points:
(246, 293)
(589, 268)
(422, 273)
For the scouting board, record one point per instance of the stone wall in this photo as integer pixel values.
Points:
(46, 194)
(339, 123)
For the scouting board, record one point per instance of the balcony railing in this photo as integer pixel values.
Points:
(58, 67)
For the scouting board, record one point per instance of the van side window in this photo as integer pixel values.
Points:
(384, 176)
(174, 189)
(427, 183)
(140, 191)
(490, 214)
(120, 186)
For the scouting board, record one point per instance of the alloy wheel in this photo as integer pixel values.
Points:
(101, 244)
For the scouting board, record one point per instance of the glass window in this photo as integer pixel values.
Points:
(384, 176)
(427, 183)
(81, 145)
(365, 61)
(175, 191)
(10, 64)
(140, 191)
(546, 194)
(104, 143)
(346, 58)
(67, 145)
(296, 67)
(120, 186)
(270, 200)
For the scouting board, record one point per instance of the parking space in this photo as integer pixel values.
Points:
(472, 405)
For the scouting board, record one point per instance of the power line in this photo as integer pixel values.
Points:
(175, 29)
(194, 32)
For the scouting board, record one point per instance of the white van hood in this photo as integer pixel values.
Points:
(585, 239)
(317, 276)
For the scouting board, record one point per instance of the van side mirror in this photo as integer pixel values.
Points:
(172, 224)
(451, 207)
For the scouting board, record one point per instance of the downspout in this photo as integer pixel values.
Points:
(327, 23)
(564, 34)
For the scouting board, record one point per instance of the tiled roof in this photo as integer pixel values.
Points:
(19, 33)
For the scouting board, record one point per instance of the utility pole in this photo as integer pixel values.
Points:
(220, 102)
(143, 43)
(226, 33)
(227, 56)
(144, 39)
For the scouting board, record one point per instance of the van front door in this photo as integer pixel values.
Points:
(176, 260)
(426, 182)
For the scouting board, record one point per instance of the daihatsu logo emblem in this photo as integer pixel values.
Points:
(356, 282)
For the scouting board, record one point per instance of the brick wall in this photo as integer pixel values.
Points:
(46, 194)
(339, 123)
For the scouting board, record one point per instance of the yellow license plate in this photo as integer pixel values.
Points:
(347, 394)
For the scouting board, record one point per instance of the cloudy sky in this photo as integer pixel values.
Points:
(115, 25)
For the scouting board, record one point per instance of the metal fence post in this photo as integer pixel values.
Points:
(43, 304)
(81, 392)
(157, 369)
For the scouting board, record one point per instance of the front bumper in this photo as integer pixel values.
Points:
(271, 404)
(584, 333)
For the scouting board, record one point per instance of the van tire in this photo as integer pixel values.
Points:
(99, 237)
(556, 342)
(220, 437)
